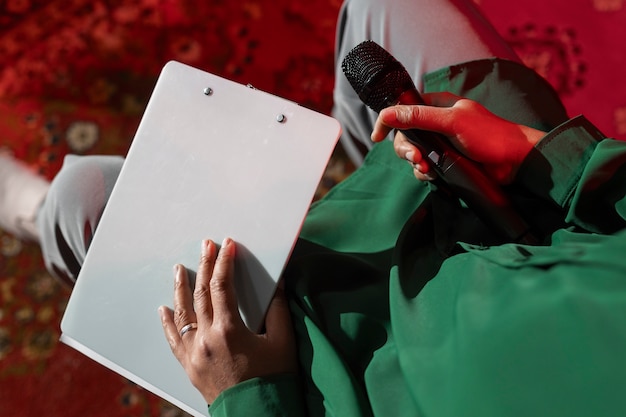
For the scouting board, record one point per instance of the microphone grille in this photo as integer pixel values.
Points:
(375, 75)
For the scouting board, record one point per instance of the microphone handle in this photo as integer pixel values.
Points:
(467, 181)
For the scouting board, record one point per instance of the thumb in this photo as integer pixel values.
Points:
(278, 318)
(280, 335)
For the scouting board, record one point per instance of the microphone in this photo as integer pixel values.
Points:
(381, 81)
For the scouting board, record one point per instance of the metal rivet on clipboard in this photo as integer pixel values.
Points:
(281, 118)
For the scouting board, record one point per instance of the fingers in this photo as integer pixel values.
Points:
(421, 168)
(436, 115)
(380, 131)
(226, 352)
(214, 295)
(403, 148)
(214, 281)
(406, 150)
(202, 293)
(171, 333)
(183, 300)
(436, 119)
(182, 315)
(222, 285)
(214, 292)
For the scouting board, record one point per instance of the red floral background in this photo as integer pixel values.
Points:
(75, 76)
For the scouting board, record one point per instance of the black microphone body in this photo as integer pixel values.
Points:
(381, 81)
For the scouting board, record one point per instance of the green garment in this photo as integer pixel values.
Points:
(404, 304)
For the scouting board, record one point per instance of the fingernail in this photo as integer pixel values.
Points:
(176, 272)
(409, 156)
(227, 241)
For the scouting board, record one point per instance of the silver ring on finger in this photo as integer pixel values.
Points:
(188, 327)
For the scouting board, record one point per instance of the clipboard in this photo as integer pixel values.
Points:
(211, 159)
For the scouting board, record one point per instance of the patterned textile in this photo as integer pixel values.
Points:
(75, 76)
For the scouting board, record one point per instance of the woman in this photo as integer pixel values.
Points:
(401, 301)
(397, 299)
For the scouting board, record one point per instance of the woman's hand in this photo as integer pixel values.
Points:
(221, 351)
(499, 145)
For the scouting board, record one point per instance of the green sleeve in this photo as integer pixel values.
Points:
(276, 396)
(584, 173)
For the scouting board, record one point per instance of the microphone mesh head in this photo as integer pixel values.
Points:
(376, 76)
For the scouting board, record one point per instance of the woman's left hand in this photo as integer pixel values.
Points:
(221, 351)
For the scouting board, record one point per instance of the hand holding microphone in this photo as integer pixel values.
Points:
(381, 81)
(499, 145)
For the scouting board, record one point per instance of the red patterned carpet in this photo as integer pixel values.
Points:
(75, 76)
